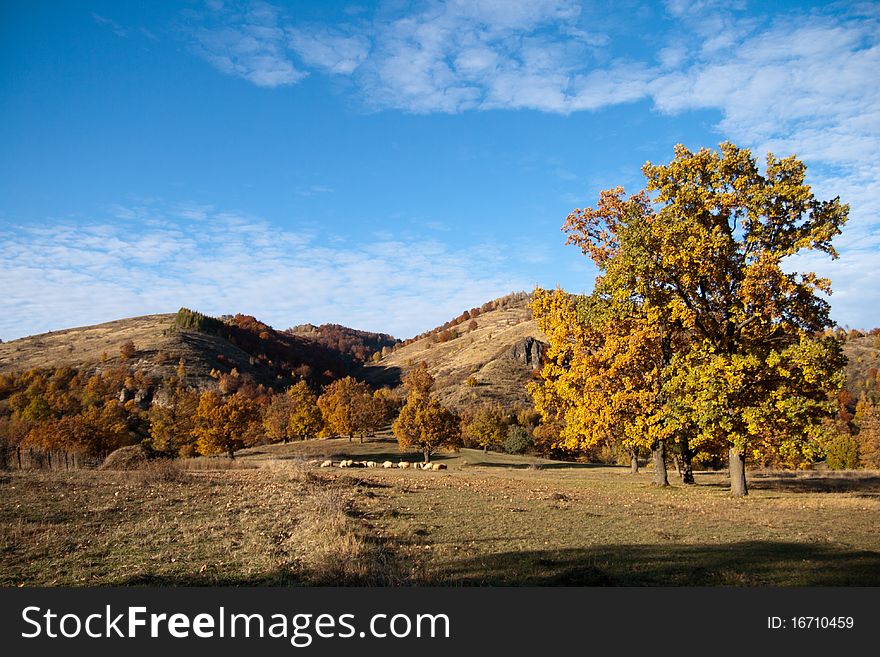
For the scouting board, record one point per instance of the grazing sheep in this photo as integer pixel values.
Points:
(327, 464)
(438, 466)
(403, 465)
(372, 464)
(388, 464)
(345, 463)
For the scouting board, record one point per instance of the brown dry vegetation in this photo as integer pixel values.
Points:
(270, 517)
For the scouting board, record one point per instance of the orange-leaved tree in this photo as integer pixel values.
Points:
(349, 408)
(225, 424)
(424, 422)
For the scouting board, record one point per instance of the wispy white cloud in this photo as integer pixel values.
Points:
(329, 50)
(247, 42)
(222, 262)
(313, 190)
(458, 55)
(117, 29)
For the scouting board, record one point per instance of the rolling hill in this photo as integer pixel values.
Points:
(243, 343)
(492, 358)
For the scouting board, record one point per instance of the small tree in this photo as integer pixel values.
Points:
(842, 453)
(172, 423)
(518, 440)
(225, 425)
(347, 407)
(127, 350)
(305, 419)
(487, 427)
(424, 422)
(276, 418)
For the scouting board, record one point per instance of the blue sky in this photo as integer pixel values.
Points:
(388, 165)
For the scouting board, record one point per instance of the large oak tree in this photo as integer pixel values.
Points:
(702, 252)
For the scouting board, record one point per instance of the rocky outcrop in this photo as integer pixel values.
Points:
(528, 351)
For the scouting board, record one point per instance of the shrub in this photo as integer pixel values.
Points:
(518, 440)
(127, 350)
(842, 453)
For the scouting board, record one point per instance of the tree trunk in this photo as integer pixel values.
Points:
(738, 486)
(687, 462)
(659, 452)
(361, 437)
(633, 462)
(677, 463)
(427, 455)
(18, 455)
(350, 436)
(231, 454)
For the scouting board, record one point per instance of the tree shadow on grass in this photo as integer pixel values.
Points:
(821, 483)
(273, 578)
(752, 563)
(380, 375)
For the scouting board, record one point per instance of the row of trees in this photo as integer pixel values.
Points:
(214, 423)
(694, 338)
(91, 414)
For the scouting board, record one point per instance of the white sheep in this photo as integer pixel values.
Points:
(403, 465)
(327, 464)
(438, 466)
(371, 464)
(388, 464)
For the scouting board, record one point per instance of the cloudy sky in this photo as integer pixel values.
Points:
(388, 165)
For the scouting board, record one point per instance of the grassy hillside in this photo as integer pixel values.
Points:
(499, 357)
(242, 343)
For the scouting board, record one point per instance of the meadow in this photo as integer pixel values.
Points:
(273, 517)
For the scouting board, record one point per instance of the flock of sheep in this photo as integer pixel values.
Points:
(348, 463)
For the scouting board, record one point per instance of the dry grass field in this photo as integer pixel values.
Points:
(272, 517)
